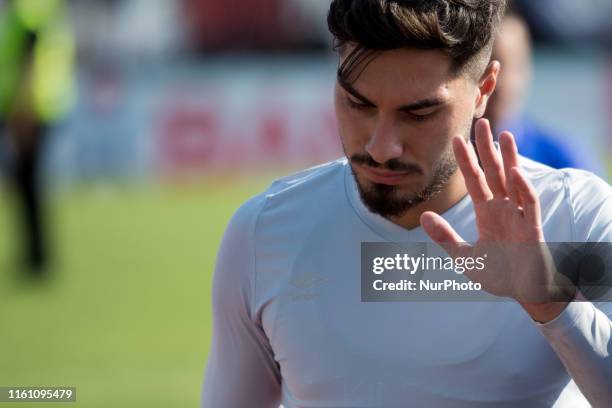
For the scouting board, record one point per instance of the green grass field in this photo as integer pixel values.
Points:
(126, 317)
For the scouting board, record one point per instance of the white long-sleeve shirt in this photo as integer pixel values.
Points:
(290, 327)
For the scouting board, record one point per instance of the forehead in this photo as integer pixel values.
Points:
(403, 75)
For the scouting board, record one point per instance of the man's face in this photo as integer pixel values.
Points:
(396, 122)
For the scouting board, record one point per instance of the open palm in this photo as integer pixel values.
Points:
(508, 219)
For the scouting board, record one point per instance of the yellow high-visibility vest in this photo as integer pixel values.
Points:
(52, 85)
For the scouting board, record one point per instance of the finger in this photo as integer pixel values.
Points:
(475, 181)
(490, 158)
(441, 232)
(528, 196)
(510, 158)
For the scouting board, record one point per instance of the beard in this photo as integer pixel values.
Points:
(390, 201)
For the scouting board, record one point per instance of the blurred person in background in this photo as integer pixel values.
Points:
(571, 21)
(513, 48)
(36, 90)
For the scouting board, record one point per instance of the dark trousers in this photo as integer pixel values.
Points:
(24, 173)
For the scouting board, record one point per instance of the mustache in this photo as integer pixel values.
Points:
(391, 165)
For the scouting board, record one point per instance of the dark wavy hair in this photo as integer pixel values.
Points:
(463, 29)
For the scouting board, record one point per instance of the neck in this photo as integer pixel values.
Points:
(454, 191)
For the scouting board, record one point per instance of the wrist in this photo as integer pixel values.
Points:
(544, 312)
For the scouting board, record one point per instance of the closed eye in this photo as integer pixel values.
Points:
(421, 118)
(423, 114)
(357, 105)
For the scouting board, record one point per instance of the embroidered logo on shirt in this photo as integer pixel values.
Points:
(306, 282)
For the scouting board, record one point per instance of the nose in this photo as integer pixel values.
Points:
(385, 143)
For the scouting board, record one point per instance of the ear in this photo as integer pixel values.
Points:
(486, 86)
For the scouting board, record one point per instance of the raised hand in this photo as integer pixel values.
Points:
(508, 219)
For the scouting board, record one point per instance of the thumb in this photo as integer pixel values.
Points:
(440, 231)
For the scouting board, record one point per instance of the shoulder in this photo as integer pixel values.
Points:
(308, 186)
(585, 187)
(309, 181)
(579, 184)
(590, 198)
(265, 224)
(586, 196)
(290, 196)
(274, 222)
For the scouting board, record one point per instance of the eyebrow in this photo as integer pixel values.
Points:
(418, 105)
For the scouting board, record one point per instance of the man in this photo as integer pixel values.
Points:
(289, 324)
(512, 48)
(36, 91)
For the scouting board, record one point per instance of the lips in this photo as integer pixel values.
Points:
(387, 177)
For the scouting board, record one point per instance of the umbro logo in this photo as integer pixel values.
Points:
(308, 280)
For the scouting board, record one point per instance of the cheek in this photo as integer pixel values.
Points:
(459, 121)
(435, 138)
(437, 132)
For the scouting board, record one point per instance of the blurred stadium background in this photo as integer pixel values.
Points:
(182, 110)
